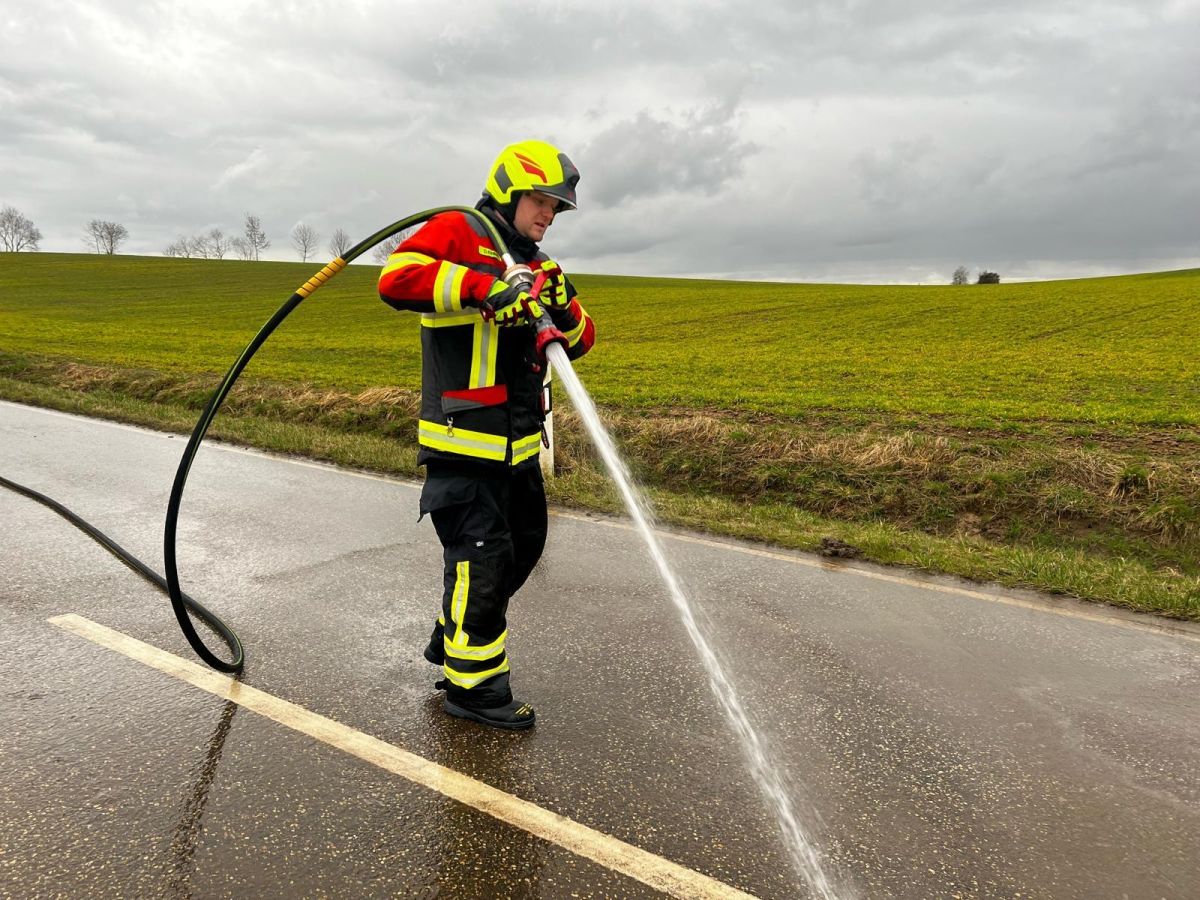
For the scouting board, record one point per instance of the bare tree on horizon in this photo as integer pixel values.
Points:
(382, 251)
(218, 243)
(304, 239)
(17, 232)
(198, 246)
(340, 242)
(105, 237)
(387, 247)
(256, 238)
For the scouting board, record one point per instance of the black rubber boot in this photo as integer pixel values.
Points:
(512, 715)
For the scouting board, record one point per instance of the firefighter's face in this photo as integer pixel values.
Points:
(534, 214)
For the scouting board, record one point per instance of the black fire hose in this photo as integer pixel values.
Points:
(180, 601)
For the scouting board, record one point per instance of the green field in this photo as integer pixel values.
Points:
(1038, 434)
(1113, 350)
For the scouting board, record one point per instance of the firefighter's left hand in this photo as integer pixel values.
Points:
(554, 292)
(509, 305)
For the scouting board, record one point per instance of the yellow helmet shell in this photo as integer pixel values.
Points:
(532, 166)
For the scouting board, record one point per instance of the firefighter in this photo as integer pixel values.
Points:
(481, 421)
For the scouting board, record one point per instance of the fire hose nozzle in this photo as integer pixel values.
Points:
(544, 329)
(519, 275)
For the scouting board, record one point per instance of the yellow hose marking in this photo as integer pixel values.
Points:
(321, 277)
(626, 859)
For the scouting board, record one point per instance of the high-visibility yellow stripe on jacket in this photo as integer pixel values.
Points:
(485, 343)
(478, 444)
(525, 447)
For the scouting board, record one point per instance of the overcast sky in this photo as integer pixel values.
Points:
(869, 141)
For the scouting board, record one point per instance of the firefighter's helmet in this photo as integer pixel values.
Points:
(532, 166)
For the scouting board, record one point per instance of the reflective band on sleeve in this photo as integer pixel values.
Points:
(576, 333)
(483, 357)
(471, 679)
(447, 287)
(443, 320)
(400, 260)
(525, 447)
(468, 443)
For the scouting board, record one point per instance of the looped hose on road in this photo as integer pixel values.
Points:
(181, 602)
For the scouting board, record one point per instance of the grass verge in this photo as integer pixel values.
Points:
(1107, 514)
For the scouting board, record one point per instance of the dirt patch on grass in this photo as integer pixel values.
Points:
(1138, 494)
(387, 410)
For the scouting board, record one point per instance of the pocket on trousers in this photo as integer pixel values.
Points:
(449, 501)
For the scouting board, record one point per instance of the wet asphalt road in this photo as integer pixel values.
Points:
(937, 744)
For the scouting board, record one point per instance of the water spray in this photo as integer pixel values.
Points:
(803, 853)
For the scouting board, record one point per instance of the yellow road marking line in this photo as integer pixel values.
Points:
(626, 859)
(1165, 627)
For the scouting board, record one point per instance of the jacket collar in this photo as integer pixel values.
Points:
(521, 247)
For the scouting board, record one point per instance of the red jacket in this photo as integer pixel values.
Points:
(481, 385)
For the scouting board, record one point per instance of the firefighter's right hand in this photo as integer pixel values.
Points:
(509, 305)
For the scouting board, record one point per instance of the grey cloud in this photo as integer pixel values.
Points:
(898, 174)
(243, 169)
(1161, 131)
(647, 156)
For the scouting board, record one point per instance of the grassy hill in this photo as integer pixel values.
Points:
(1104, 350)
(1043, 434)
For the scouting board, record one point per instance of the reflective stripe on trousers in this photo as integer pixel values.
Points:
(469, 664)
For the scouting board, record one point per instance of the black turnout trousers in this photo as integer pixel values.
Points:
(492, 525)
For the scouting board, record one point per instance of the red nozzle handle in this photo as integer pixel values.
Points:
(544, 328)
(539, 282)
(544, 325)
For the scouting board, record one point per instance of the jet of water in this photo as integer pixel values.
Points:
(804, 855)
